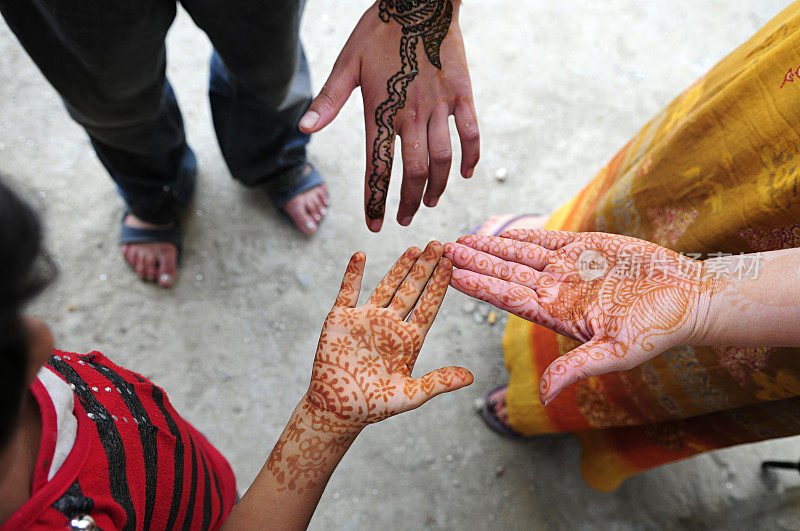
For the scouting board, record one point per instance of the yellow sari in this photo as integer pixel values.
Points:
(715, 172)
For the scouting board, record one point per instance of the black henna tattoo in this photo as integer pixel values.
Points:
(428, 20)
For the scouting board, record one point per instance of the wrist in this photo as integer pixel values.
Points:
(324, 422)
(711, 306)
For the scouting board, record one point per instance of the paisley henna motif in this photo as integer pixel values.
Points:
(426, 20)
(362, 368)
(625, 299)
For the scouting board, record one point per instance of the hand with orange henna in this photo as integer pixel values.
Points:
(361, 375)
(626, 299)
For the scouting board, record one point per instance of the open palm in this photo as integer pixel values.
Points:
(626, 299)
(362, 369)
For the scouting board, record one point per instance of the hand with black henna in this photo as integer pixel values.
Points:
(361, 375)
(627, 300)
(408, 58)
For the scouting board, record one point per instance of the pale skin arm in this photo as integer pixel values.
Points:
(627, 300)
(755, 309)
(409, 60)
(361, 375)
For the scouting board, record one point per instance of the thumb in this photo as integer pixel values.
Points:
(330, 100)
(420, 390)
(590, 359)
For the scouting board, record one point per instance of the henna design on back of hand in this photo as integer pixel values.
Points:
(428, 20)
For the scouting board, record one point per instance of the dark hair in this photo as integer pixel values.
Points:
(25, 270)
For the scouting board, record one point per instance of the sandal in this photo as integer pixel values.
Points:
(489, 416)
(282, 189)
(171, 235)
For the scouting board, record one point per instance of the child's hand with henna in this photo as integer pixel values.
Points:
(362, 370)
(361, 375)
(626, 299)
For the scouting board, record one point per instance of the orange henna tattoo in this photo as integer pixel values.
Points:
(626, 299)
(363, 364)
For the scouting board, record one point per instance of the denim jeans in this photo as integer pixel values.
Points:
(107, 60)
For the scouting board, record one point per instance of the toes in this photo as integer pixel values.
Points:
(322, 200)
(130, 254)
(300, 217)
(139, 265)
(308, 208)
(313, 210)
(154, 262)
(168, 267)
(319, 202)
(150, 267)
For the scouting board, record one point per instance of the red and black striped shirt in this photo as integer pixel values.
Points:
(135, 463)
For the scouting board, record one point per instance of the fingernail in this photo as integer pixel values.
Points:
(309, 120)
(405, 221)
(374, 225)
(433, 202)
(317, 217)
(165, 278)
(469, 172)
(323, 211)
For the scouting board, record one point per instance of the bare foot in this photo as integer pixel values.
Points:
(308, 208)
(154, 262)
(497, 401)
(497, 224)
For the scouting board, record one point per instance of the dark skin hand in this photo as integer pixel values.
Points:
(412, 78)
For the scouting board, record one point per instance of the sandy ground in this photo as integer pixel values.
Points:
(558, 91)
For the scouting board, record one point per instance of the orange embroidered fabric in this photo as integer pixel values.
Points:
(715, 172)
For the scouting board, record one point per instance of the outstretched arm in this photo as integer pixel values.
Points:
(361, 375)
(627, 300)
(408, 58)
(759, 304)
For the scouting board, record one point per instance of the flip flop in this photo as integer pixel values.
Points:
(489, 416)
(281, 190)
(137, 235)
(505, 225)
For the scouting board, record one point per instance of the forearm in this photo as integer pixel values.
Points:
(286, 491)
(757, 301)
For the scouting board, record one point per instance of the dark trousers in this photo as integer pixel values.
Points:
(107, 60)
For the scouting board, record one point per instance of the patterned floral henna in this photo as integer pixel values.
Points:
(626, 299)
(362, 368)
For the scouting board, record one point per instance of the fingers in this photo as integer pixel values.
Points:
(529, 254)
(415, 173)
(405, 297)
(590, 359)
(429, 303)
(420, 390)
(517, 299)
(387, 287)
(440, 154)
(334, 94)
(351, 283)
(380, 156)
(467, 128)
(465, 257)
(549, 239)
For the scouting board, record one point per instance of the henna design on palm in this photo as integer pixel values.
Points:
(626, 299)
(428, 20)
(363, 364)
